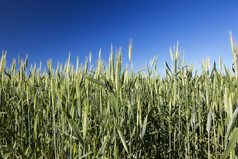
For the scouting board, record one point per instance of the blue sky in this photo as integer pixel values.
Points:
(49, 30)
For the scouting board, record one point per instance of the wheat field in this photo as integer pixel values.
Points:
(115, 112)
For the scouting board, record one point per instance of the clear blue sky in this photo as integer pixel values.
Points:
(50, 29)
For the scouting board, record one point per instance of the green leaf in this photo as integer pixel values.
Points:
(232, 143)
(228, 78)
(114, 103)
(99, 82)
(231, 124)
(110, 142)
(122, 139)
(74, 126)
(101, 151)
(85, 155)
(6, 156)
(104, 123)
(168, 67)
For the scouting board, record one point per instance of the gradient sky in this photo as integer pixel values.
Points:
(50, 29)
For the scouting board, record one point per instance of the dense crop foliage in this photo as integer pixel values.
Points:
(112, 112)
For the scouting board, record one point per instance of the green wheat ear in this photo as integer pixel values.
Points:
(235, 55)
(130, 50)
